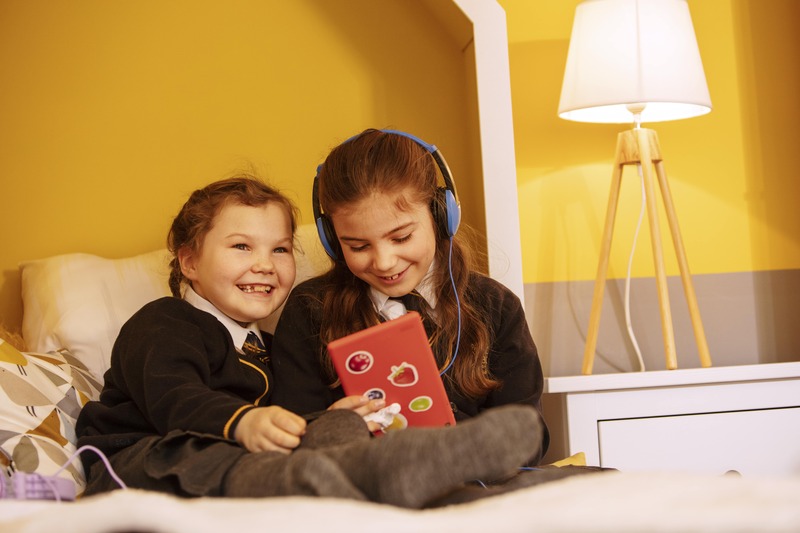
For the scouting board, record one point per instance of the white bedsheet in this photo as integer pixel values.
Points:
(618, 502)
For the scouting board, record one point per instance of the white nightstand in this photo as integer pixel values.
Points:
(743, 418)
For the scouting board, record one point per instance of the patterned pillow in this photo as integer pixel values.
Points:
(40, 398)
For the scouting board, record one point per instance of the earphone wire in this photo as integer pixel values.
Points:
(102, 456)
(458, 307)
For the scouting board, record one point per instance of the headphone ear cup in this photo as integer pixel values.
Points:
(453, 211)
(327, 236)
(446, 212)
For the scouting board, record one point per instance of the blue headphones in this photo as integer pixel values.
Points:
(445, 207)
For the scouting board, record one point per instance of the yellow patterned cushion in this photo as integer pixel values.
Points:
(40, 398)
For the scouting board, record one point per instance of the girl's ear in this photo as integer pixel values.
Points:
(186, 258)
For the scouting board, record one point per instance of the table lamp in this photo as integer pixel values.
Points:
(634, 61)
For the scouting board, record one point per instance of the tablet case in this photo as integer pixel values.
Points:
(393, 360)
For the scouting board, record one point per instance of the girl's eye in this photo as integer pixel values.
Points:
(281, 250)
(240, 246)
(402, 239)
(358, 248)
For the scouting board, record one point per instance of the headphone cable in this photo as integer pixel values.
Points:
(458, 307)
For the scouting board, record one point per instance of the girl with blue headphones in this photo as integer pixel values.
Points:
(390, 229)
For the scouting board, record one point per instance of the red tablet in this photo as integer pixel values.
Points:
(393, 360)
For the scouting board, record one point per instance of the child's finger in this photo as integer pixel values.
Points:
(283, 441)
(289, 423)
(274, 438)
(350, 402)
(371, 407)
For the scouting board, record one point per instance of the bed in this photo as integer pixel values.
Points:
(74, 306)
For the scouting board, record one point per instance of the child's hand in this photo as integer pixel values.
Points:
(362, 406)
(270, 428)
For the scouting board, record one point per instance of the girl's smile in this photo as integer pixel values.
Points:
(391, 279)
(256, 288)
(389, 247)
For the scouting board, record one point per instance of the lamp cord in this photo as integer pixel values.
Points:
(631, 335)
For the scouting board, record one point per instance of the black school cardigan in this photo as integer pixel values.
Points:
(301, 383)
(173, 367)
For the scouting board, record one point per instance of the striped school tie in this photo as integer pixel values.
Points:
(255, 348)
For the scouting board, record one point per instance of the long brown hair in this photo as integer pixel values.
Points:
(381, 162)
(196, 217)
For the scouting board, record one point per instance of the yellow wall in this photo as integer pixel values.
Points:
(732, 172)
(112, 112)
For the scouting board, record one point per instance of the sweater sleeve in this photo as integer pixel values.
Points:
(301, 383)
(181, 374)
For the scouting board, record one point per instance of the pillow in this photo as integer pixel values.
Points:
(40, 398)
(79, 302)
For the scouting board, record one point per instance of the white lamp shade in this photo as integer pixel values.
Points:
(625, 52)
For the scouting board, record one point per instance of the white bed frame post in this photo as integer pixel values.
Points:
(497, 141)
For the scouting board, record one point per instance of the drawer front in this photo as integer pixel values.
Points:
(754, 442)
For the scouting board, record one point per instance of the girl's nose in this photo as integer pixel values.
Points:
(263, 263)
(384, 259)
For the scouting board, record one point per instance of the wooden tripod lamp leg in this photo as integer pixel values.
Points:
(686, 277)
(646, 160)
(602, 265)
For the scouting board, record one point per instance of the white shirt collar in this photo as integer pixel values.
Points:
(425, 289)
(238, 333)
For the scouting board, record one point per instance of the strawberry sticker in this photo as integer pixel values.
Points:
(403, 375)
